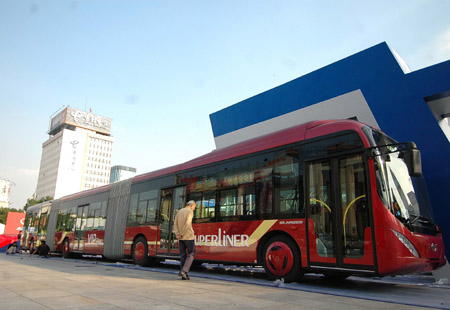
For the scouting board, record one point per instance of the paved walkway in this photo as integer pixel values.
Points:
(37, 283)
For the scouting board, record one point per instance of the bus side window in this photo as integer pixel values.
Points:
(142, 208)
(71, 217)
(141, 212)
(148, 201)
(43, 223)
(199, 210)
(288, 202)
(132, 210)
(151, 211)
(35, 222)
(206, 204)
(209, 205)
(247, 202)
(61, 221)
(90, 217)
(102, 216)
(93, 216)
(228, 205)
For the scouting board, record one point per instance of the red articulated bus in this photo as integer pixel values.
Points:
(335, 197)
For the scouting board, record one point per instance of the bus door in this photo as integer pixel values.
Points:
(172, 200)
(338, 218)
(80, 227)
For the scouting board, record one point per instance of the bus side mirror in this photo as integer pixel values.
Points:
(413, 160)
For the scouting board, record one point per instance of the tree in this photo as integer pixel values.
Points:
(32, 202)
(4, 214)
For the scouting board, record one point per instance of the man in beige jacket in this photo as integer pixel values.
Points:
(185, 234)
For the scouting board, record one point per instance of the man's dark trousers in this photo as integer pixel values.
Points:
(187, 254)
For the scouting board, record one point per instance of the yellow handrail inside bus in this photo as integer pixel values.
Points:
(345, 214)
(321, 202)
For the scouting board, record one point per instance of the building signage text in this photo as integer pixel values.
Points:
(90, 119)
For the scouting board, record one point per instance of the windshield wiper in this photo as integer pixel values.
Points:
(423, 219)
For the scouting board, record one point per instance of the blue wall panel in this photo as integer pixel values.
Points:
(434, 145)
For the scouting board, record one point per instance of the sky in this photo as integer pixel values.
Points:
(158, 69)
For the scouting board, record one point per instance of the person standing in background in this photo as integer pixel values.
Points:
(30, 242)
(19, 236)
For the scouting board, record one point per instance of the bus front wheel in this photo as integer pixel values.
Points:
(281, 259)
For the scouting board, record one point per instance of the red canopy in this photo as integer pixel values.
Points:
(5, 240)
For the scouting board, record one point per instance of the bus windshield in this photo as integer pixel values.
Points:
(404, 196)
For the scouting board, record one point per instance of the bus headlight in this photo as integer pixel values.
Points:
(407, 243)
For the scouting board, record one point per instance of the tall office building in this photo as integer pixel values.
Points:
(119, 173)
(77, 155)
(5, 189)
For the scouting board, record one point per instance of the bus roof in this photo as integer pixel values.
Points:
(39, 205)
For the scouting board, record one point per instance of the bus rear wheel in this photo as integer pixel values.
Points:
(139, 252)
(281, 259)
